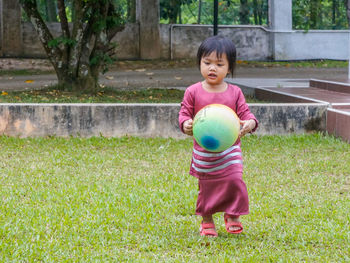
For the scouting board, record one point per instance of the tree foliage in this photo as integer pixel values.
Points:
(315, 14)
(84, 47)
(201, 11)
(307, 14)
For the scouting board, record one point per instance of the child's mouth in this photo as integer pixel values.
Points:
(212, 75)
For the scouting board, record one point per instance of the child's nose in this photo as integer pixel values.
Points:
(212, 67)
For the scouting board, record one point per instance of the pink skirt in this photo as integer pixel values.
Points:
(226, 194)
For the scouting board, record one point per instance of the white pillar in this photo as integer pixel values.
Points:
(280, 19)
(280, 15)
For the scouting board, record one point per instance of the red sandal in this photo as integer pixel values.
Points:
(233, 224)
(205, 230)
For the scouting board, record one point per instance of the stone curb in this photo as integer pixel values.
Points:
(145, 120)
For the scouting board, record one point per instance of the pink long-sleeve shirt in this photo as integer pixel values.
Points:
(206, 163)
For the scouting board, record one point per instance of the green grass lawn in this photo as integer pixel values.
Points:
(166, 64)
(131, 199)
(104, 95)
(178, 63)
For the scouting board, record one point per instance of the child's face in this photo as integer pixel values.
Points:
(214, 69)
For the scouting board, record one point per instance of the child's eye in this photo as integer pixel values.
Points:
(206, 63)
(220, 65)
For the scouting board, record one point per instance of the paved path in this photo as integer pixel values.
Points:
(179, 77)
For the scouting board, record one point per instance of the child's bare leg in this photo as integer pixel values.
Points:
(208, 227)
(208, 219)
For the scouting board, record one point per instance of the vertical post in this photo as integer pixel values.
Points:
(11, 28)
(147, 14)
(216, 11)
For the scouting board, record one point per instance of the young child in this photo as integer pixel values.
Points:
(220, 189)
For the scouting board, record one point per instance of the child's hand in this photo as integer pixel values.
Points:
(187, 127)
(247, 126)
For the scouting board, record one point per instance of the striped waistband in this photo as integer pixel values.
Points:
(205, 162)
(203, 154)
(217, 168)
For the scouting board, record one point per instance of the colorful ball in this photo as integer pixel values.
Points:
(216, 127)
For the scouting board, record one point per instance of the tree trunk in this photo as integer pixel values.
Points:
(199, 12)
(51, 11)
(255, 12)
(179, 15)
(78, 55)
(334, 10)
(244, 12)
(261, 12)
(88, 83)
(173, 11)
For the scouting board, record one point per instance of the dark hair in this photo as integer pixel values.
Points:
(221, 45)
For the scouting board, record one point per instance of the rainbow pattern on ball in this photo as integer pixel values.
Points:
(216, 127)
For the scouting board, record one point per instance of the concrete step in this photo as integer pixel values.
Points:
(333, 93)
(294, 94)
(342, 86)
(338, 123)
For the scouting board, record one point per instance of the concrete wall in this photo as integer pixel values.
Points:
(252, 42)
(31, 45)
(278, 118)
(314, 44)
(127, 40)
(289, 44)
(149, 120)
(177, 41)
(146, 39)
